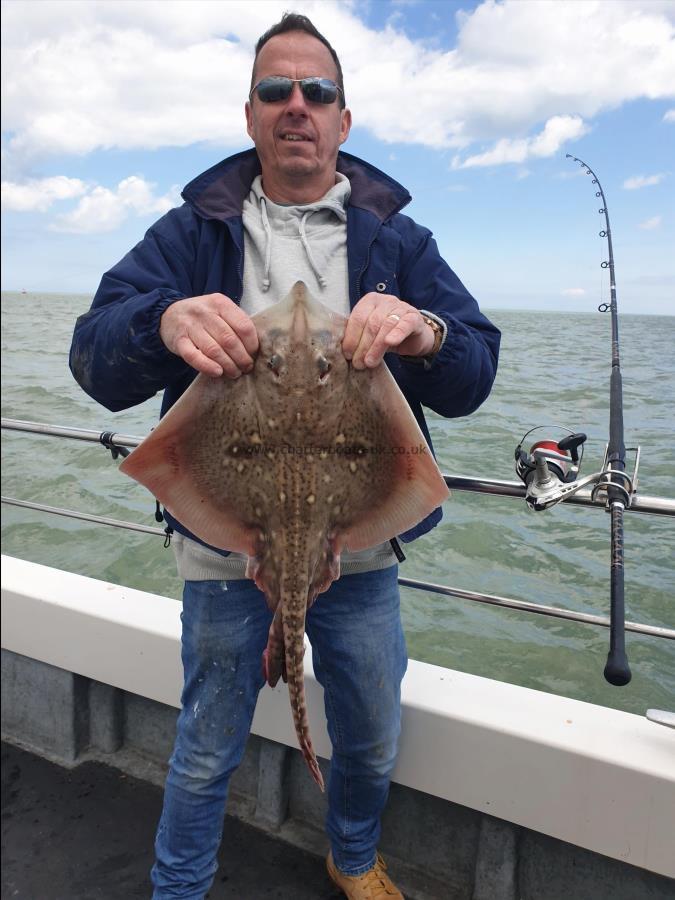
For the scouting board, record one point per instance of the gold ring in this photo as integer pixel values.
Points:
(394, 317)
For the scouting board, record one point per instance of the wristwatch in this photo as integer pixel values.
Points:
(440, 330)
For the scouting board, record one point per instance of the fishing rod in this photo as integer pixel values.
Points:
(619, 486)
(550, 469)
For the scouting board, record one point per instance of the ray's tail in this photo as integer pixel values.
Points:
(295, 671)
(284, 656)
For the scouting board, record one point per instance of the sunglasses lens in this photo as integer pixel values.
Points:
(319, 90)
(270, 90)
(315, 90)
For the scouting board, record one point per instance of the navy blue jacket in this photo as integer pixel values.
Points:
(119, 359)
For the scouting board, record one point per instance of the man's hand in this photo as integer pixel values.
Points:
(211, 333)
(380, 323)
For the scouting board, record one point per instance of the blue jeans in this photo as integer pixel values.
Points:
(359, 658)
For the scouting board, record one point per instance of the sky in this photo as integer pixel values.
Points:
(110, 108)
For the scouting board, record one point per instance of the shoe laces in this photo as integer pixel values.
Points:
(374, 879)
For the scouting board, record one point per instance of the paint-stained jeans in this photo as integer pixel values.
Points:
(359, 657)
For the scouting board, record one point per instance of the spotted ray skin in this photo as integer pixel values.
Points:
(290, 464)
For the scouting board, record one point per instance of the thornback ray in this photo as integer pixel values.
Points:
(296, 461)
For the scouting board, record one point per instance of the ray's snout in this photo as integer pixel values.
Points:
(299, 331)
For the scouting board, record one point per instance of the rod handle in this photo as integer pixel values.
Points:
(617, 671)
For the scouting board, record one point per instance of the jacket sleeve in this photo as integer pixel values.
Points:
(117, 355)
(463, 371)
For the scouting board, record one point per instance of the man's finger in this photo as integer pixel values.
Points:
(230, 343)
(357, 322)
(199, 349)
(371, 329)
(194, 357)
(206, 343)
(383, 331)
(393, 331)
(355, 325)
(240, 323)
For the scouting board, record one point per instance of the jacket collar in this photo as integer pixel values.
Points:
(219, 193)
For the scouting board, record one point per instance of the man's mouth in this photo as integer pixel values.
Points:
(294, 136)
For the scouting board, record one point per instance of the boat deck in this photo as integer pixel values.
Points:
(87, 833)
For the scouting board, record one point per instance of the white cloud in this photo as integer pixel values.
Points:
(136, 193)
(84, 75)
(556, 132)
(651, 224)
(640, 181)
(38, 194)
(573, 292)
(669, 116)
(104, 210)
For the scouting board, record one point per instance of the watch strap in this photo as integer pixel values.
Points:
(440, 329)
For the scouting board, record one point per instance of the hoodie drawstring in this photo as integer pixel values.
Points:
(268, 247)
(308, 249)
(337, 206)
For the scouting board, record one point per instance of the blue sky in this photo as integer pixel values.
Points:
(110, 108)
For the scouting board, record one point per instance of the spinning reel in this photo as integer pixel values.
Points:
(549, 468)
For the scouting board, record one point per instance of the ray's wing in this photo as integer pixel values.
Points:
(391, 480)
(197, 459)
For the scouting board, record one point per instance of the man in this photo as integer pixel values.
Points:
(181, 302)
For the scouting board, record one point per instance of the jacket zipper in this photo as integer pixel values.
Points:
(240, 266)
(365, 265)
(240, 276)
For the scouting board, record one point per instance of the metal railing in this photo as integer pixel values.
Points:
(661, 506)
(117, 441)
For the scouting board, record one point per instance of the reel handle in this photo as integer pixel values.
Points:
(572, 443)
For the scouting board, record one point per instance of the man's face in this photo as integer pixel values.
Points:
(288, 164)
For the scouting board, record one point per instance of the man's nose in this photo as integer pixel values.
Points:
(296, 103)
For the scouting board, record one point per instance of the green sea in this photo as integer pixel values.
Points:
(554, 368)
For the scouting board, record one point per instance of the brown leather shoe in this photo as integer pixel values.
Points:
(374, 884)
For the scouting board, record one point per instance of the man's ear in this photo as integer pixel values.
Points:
(248, 112)
(345, 124)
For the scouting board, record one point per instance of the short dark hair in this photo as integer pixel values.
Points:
(298, 22)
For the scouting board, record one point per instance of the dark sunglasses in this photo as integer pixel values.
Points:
(314, 89)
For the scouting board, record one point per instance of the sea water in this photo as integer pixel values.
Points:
(554, 368)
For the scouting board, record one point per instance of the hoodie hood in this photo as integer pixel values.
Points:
(219, 193)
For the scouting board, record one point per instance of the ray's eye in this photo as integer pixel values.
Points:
(324, 367)
(274, 363)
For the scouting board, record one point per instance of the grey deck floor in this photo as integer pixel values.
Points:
(87, 834)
